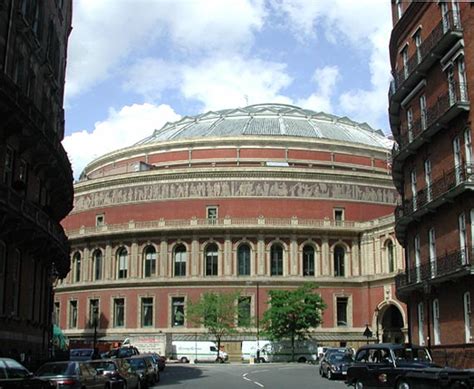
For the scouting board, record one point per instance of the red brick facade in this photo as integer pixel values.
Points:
(431, 54)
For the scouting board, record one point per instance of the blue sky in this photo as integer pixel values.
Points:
(133, 65)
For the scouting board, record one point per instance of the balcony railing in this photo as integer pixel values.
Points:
(451, 265)
(449, 180)
(227, 223)
(451, 22)
(457, 93)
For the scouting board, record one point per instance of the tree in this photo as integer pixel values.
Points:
(218, 312)
(292, 313)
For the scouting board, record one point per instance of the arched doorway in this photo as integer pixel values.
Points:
(391, 324)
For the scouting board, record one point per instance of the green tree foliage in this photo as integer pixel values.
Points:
(218, 313)
(292, 313)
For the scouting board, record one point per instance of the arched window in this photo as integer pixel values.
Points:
(211, 260)
(390, 257)
(276, 260)
(97, 259)
(180, 261)
(122, 261)
(308, 261)
(77, 267)
(243, 260)
(150, 261)
(339, 254)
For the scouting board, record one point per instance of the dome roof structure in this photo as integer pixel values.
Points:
(269, 120)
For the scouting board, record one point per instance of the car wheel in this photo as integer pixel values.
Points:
(219, 360)
(359, 385)
(302, 360)
(403, 384)
(320, 372)
(330, 377)
(184, 360)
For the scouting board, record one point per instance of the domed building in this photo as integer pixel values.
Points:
(250, 199)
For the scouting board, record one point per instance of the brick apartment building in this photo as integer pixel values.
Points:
(36, 189)
(431, 53)
(249, 199)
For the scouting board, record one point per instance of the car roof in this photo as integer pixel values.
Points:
(392, 346)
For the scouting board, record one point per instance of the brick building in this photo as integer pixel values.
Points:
(250, 199)
(431, 53)
(36, 189)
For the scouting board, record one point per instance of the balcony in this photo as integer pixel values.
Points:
(441, 191)
(447, 107)
(450, 266)
(443, 36)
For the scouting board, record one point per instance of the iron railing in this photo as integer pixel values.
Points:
(451, 22)
(451, 264)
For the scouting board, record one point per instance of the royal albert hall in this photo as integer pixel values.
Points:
(250, 199)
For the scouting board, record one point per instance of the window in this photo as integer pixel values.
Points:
(410, 124)
(147, 311)
(119, 312)
(451, 85)
(77, 267)
(405, 62)
(457, 159)
(341, 311)
(390, 257)
(180, 261)
(97, 259)
(445, 15)
(436, 327)
(418, 258)
(462, 79)
(467, 317)
(339, 254)
(421, 320)
(56, 313)
(244, 314)
(456, 17)
(308, 261)
(177, 304)
(417, 38)
(211, 260)
(99, 220)
(428, 179)
(3, 276)
(432, 248)
(211, 215)
(122, 259)
(423, 112)
(338, 216)
(8, 169)
(399, 9)
(16, 283)
(150, 261)
(243, 260)
(276, 260)
(413, 189)
(73, 314)
(468, 150)
(462, 237)
(93, 313)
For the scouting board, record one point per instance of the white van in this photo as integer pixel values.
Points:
(186, 351)
(250, 347)
(305, 351)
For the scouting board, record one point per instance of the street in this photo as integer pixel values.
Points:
(230, 376)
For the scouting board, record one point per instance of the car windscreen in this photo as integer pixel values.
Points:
(15, 370)
(412, 354)
(57, 369)
(340, 358)
(81, 353)
(137, 363)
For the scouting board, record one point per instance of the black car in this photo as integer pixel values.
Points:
(336, 365)
(144, 368)
(328, 353)
(72, 374)
(397, 366)
(14, 375)
(120, 373)
(122, 352)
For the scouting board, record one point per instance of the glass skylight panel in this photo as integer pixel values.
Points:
(229, 127)
(295, 127)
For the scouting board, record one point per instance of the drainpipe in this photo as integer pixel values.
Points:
(7, 40)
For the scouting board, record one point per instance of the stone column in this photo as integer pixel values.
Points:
(134, 261)
(261, 257)
(378, 260)
(325, 271)
(163, 259)
(194, 257)
(293, 257)
(85, 273)
(355, 257)
(108, 263)
(228, 268)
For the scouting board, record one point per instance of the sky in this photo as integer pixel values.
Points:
(134, 65)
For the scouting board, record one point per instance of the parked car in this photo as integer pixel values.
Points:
(13, 375)
(144, 368)
(154, 362)
(72, 374)
(330, 351)
(387, 365)
(81, 354)
(121, 374)
(122, 352)
(158, 361)
(336, 365)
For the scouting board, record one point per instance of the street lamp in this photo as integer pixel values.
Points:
(258, 323)
(367, 333)
(377, 310)
(95, 320)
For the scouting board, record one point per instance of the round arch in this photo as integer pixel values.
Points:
(390, 320)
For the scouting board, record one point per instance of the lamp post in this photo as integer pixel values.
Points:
(53, 279)
(95, 320)
(258, 323)
(377, 311)
(367, 333)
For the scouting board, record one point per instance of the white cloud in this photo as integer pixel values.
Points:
(325, 79)
(121, 129)
(105, 32)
